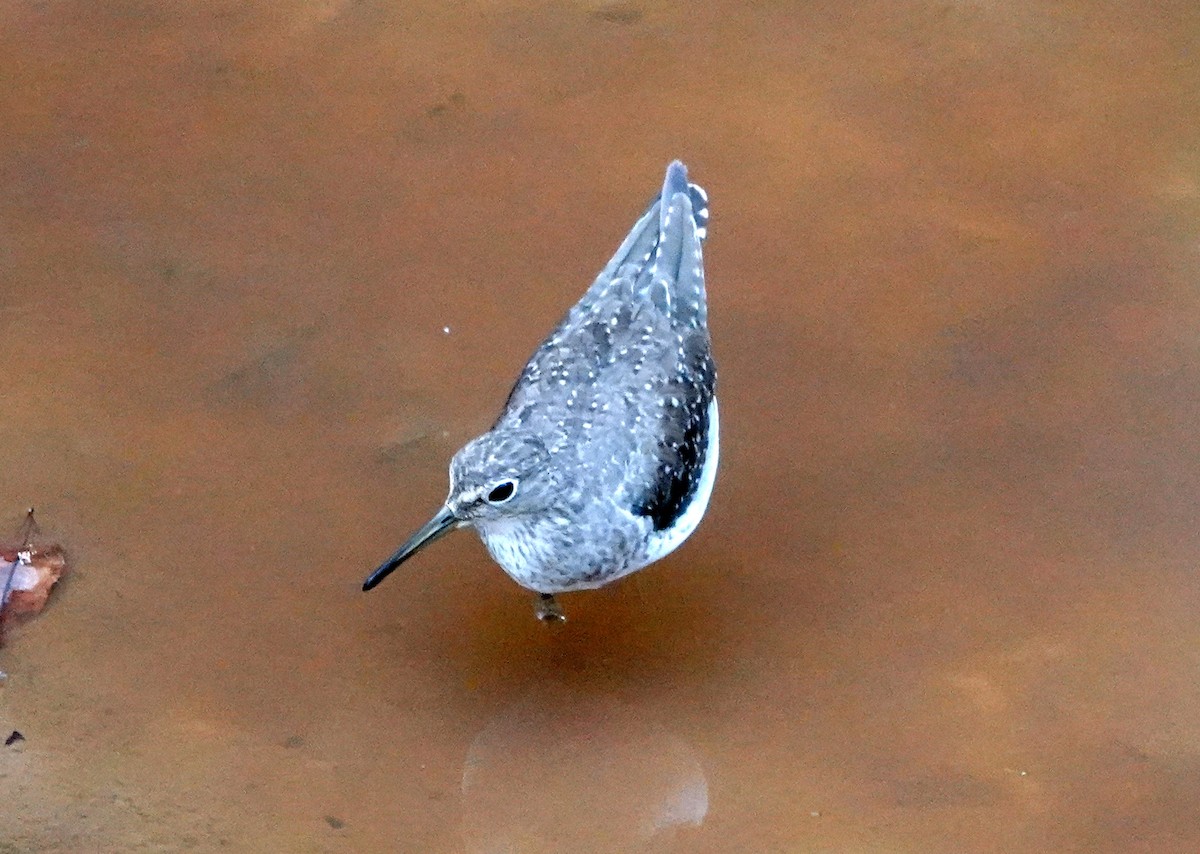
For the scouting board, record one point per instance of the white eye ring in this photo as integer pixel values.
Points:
(503, 491)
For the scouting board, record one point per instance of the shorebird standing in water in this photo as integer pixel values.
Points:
(604, 457)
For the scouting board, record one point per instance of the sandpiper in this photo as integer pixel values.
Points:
(604, 457)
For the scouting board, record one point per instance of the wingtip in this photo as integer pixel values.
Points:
(676, 180)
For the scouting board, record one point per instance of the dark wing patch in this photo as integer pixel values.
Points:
(684, 445)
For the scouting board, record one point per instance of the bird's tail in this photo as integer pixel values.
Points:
(665, 245)
(674, 280)
(676, 182)
(639, 245)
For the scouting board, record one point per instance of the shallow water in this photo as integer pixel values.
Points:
(945, 596)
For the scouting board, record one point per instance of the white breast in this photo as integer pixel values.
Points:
(516, 547)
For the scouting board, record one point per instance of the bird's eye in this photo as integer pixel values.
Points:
(502, 492)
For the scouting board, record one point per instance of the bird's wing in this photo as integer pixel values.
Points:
(659, 262)
(676, 443)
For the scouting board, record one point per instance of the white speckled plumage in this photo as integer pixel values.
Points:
(605, 454)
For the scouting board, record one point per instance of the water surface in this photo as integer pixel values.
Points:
(945, 598)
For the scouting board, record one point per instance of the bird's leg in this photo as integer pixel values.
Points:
(548, 610)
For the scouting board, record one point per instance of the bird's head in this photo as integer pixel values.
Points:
(503, 474)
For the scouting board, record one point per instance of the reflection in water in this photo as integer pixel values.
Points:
(570, 770)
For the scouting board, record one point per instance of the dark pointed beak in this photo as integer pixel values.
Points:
(437, 526)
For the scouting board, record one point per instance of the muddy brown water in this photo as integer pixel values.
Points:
(946, 596)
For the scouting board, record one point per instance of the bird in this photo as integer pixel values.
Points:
(604, 457)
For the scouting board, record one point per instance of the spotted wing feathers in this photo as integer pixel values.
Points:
(629, 369)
